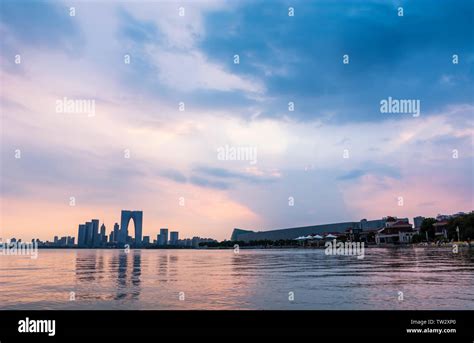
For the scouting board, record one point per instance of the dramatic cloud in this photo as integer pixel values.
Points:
(160, 121)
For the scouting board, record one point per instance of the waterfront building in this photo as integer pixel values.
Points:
(163, 237)
(116, 233)
(88, 240)
(146, 240)
(395, 231)
(174, 237)
(70, 241)
(81, 235)
(292, 233)
(95, 233)
(126, 216)
(102, 233)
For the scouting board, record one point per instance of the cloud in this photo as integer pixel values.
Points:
(300, 58)
(174, 175)
(173, 153)
(371, 169)
(191, 71)
(207, 182)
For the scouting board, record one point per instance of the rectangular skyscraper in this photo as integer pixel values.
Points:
(95, 233)
(88, 239)
(174, 236)
(116, 232)
(81, 235)
(102, 235)
(163, 237)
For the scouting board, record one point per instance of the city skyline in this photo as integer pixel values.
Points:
(233, 114)
(170, 235)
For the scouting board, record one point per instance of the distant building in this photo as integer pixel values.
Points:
(146, 240)
(81, 235)
(395, 231)
(102, 234)
(185, 242)
(115, 236)
(62, 241)
(446, 217)
(292, 233)
(174, 237)
(95, 233)
(126, 216)
(111, 237)
(70, 241)
(163, 237)
(417, 222)
(88, 240)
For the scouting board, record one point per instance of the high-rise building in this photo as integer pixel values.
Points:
(163, 237)
(111, 237)
(146, 240)
(174, 237)
(102, 235)
(88, 240)
(95, 233)
(81, 235)
(116, 232)
(126, 216)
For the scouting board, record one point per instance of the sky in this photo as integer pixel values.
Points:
(152, 141)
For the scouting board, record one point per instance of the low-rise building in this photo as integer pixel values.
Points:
(394, 232)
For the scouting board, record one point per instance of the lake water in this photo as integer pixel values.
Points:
(430, 278)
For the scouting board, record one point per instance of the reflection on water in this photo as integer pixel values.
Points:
(432, 278)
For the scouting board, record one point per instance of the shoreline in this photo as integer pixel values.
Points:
(322, 247)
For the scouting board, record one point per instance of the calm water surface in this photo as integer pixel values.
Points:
(430, 278)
